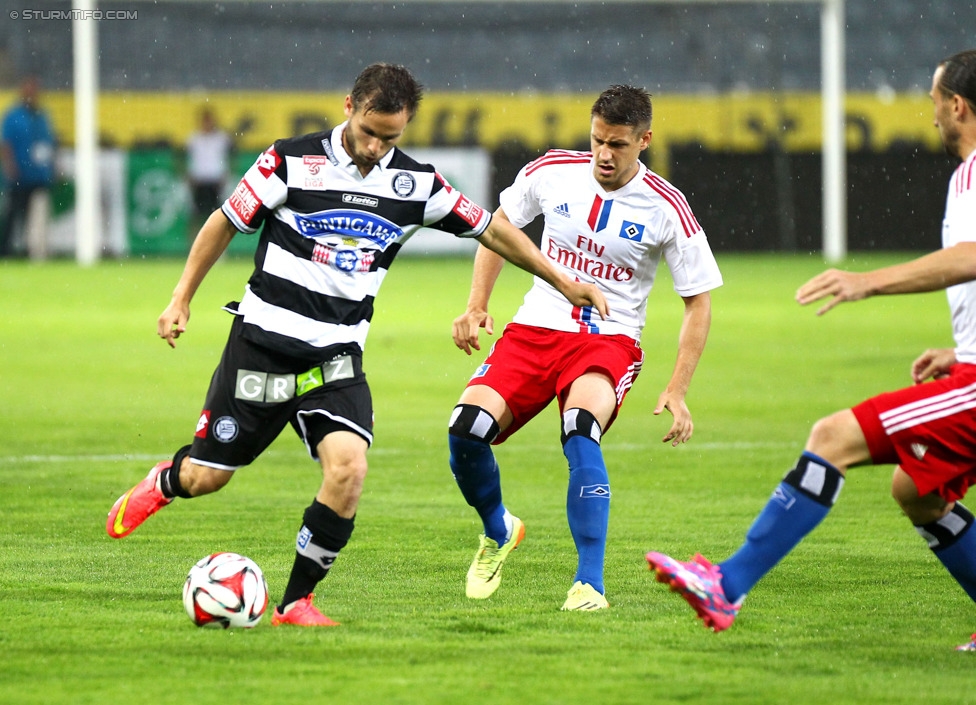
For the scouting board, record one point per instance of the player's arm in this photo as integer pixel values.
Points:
(691, 343)
(209, 245)
(511, 243)
(937, 270)
(487, 266)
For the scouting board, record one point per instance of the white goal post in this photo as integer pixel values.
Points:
(832, 67)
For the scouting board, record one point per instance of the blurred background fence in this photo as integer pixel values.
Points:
(736, 86)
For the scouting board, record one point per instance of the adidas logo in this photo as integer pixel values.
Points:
(919, 450)
(562, 210)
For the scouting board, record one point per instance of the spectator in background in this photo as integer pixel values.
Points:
(208, 154)
(27, 147)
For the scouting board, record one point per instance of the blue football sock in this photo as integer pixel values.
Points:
(797, 506)
(476, 474)
(954, 544)
(588, 507)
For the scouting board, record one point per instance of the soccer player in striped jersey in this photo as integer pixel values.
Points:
(608, 220)
(928, 430)
(334, 208)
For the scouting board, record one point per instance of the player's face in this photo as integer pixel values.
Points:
(944, 122)
(370, 135)
(616, 149)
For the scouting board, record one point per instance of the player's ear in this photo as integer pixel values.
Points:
(348, 107)
(959, 106)
(646, 140)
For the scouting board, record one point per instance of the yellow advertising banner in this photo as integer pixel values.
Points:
(738, 122)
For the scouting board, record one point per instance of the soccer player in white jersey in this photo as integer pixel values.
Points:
(608, 220)
(928, 429)
(335, 207)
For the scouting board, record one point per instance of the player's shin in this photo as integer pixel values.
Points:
(954, 544)
(472, 429)
(796, 507)
(588, 495)
(323, 534)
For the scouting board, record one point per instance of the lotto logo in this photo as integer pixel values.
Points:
(268, 162)
(244, 202)
(202, 424)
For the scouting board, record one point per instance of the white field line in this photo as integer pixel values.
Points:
(146, 457)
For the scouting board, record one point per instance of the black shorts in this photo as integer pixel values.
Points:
(255, 392)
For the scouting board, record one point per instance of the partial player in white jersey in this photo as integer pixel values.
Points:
(608, 220)
(928, 430)
(333, 209)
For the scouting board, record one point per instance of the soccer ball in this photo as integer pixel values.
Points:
(225, 590)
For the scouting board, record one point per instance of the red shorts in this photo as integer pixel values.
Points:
(531, 366)
(929, 430)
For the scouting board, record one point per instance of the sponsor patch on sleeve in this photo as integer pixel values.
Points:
(244, 202)
(469, 211)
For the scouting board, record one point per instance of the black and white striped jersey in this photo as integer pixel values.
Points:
(329, 237)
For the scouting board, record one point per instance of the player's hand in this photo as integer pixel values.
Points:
(465, 329)
(841, 286)
(933, 363)
(582, 294)
(172, 322)
(682, 426)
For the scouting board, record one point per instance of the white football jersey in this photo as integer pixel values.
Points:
(612, 239)
(959, 225)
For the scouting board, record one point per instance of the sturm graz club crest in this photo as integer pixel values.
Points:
(225, 429)
(404, 184)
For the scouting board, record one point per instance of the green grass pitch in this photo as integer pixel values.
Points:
(861, 612)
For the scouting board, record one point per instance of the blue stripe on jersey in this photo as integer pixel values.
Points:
(586, 319)
(604, 216)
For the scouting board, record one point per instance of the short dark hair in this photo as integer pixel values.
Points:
(386, 88)
(624, 105)
(959, 76)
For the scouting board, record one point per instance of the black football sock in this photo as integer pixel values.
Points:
(169, 479)
(323, 534)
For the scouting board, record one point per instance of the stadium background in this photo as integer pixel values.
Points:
(736, 86)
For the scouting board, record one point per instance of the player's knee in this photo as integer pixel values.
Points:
(580, 422)
(839, 440)
(822, 434)
(346, 468)
(473, 423)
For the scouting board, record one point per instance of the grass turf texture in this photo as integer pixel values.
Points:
(860, 612)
